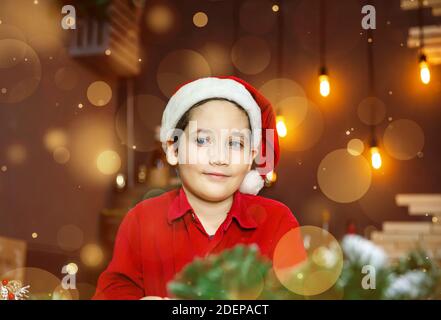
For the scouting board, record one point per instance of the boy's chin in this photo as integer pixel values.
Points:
(215, 191)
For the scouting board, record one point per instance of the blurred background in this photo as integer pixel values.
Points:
(82, 90)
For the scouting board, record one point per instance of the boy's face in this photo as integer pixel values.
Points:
(215, 150)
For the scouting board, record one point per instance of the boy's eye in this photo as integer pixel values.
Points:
(202, 140)
(236, 144)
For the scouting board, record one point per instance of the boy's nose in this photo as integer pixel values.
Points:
(218, 155)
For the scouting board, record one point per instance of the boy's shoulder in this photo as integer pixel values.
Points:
(270, 205)
(268, 211)
(155, 204)
(163, 198)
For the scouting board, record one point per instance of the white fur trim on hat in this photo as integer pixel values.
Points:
(252, 183)
(205, 88)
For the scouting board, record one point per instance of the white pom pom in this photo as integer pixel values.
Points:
(252, 183)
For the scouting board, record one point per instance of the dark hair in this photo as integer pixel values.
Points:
(185, 119)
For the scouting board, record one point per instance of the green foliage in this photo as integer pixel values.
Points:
(237, 273)
(415, 276)
(418, 263)
(242, 273)
(350, 282)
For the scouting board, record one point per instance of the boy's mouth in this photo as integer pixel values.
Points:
(216, 175)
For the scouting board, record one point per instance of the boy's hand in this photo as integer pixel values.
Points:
(154, 298)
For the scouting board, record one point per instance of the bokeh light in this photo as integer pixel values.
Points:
(180, 66)
(159, 19)
(89, 137)
(70, 237)
(16, 153)
(8, 31)
(200, 19)
(218, 57)
(108, 162)
(294, 109)
(21, 71)
(343, 177)
(304, 121)
(244, 291)
(55, 138)
(61, 155)
(308, 260)
(72, 268)
(99, 93)
(60, 293)
(251, 55)
(92, 255)
(355, 147)
(278, 89)
(403, 139)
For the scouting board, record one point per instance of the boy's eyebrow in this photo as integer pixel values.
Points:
(203, 130)
(238, 134)
(234, 133)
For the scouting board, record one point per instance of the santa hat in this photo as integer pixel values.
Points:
(258, 108)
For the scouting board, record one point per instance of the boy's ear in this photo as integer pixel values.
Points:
(254, 153)
(171, 153)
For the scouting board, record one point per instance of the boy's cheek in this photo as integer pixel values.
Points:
(240, 158)
(194, 156)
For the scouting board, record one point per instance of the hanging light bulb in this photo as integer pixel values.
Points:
(282, 131)
(120, 181)
(325, 87)
(424, 69)
(423, 64)
(375, 157)
(270, 178)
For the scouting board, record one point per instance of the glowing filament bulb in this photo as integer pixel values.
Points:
(325, 87)
(281, 126)
(375, 158)
(424, 71)
(271, 176)
(120, 181)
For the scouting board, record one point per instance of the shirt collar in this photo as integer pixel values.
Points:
(180, 206)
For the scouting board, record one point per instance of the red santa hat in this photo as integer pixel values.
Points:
(258, 108)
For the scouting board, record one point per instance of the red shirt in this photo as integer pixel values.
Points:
(160, 235)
